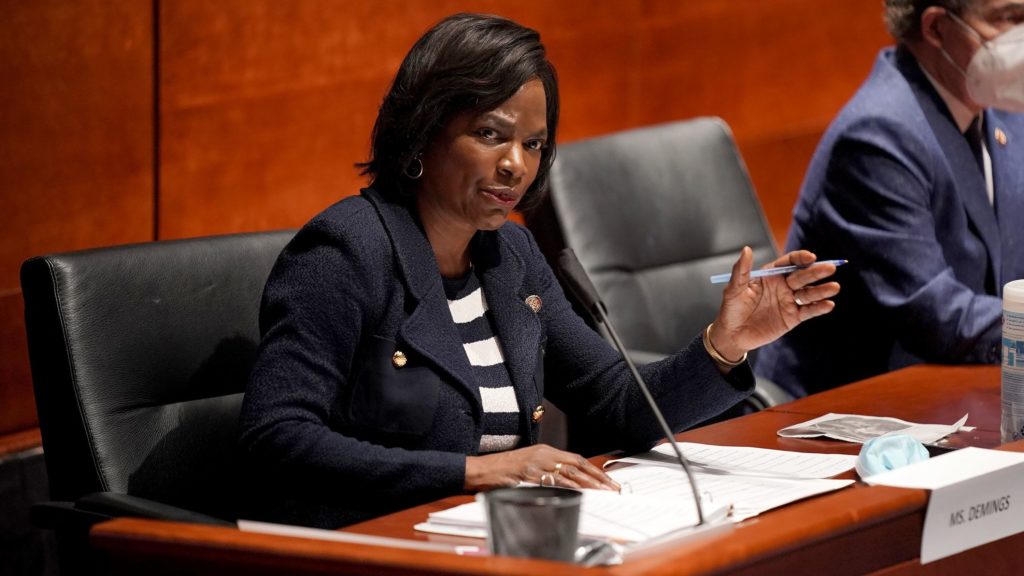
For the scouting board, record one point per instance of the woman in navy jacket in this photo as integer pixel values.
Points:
(410, 333)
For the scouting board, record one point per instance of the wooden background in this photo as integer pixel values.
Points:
(133, 120)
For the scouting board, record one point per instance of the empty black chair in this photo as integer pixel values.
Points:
(140, 355)
(652, 213)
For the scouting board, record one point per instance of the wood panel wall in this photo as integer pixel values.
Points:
(76, 149)
(129, 120)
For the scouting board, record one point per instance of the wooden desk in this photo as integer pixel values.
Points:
(858, 530)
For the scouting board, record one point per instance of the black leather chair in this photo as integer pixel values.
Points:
(140, 355)
(651, 214)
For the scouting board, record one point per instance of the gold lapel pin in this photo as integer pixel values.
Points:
(399, 359)
(538, 413)
(1000, 136)
(534, 302)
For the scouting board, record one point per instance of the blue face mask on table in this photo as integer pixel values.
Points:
(889, 453)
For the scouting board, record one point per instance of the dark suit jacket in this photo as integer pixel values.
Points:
(350, 435)
(894, 188)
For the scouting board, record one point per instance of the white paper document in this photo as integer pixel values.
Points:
(741, 460)
(860, 429)
(976, 498)
(604, 514)
(657, 500)
(748, 495)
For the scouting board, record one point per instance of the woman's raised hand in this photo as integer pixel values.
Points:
(538, 464)
(756, 311)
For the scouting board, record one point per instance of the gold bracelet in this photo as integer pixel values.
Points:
(716, 355)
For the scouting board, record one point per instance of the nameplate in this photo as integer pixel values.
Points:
(973, 512)
(977, 497)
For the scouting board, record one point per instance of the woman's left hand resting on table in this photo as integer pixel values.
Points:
(756, 311)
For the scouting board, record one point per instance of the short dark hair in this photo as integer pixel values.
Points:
(466, 62)
(903, 17)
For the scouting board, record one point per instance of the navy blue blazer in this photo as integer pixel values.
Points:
(343, 434)
(894, 188)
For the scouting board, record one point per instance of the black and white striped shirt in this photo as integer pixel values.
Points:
(500, 409)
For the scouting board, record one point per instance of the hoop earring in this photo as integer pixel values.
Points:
(415, 169)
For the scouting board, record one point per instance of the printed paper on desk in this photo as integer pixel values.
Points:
(626, 518)
(657, 503)
(859, 429)
(976, 498)
(744, 460)
(749, 495)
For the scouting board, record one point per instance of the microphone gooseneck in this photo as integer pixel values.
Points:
(583, 289)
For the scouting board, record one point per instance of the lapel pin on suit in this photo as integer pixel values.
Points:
(399, 359)
(538, 413)
(534, 302)
(1000, 136)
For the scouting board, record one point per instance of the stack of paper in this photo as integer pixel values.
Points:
(753, 480)
(657, 499)
(748, 495)
(747, 461)
(603, 514)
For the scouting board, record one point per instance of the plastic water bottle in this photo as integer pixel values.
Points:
(1012, 426)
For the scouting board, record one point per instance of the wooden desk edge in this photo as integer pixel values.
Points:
(175, 547)
(160, 547)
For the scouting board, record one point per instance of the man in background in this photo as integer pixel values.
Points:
(919, 183)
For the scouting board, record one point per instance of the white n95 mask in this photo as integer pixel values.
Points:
(995, 74)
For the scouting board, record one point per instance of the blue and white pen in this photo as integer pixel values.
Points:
(723, 278)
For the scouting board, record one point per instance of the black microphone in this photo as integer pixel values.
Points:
(583, 289)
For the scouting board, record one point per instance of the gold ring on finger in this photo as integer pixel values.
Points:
(558, 469)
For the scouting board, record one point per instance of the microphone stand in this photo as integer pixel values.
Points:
(583, 289)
